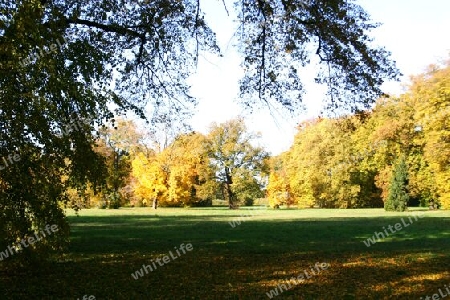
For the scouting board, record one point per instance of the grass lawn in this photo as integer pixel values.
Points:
(245, 262)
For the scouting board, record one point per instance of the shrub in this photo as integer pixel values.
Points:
(248, 201)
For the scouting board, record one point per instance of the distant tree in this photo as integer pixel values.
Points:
(278, 188)
(398, 196)
(353, 161)
(118, 144)
(432, 115)
(189, 170)
(232, 156)
(151, 177)
(319, 167)
(180, 175)
(246, 187)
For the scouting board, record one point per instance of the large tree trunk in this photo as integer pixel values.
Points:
(230, 196)
(228, 183)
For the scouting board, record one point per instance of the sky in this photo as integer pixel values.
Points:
(414, 31)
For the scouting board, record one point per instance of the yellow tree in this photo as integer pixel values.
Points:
(151, 179)
(180, 175)
(300, 161)
(278, 189)
(188, 168)
(432, 91)
(316, 167)
(117, 143)
(388, 134)
(323, 168)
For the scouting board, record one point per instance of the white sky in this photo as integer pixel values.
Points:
(415, 31)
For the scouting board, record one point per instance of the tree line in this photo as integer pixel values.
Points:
(394, 155)
(192, 170)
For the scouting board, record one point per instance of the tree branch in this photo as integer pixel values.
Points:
(108, 28)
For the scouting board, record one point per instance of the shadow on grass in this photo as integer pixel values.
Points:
(244, 262)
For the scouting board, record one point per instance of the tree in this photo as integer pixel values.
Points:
(118, 144)
(278, 189)
(306, 182)
(189, 170)
(398, 197)
(180, 175)
(247, 187)
(396, 154)
(151, 178)
(317, 166)
(431, 91)
(232, 155)
(58, 58)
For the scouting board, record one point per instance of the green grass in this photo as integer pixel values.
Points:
(245, 262)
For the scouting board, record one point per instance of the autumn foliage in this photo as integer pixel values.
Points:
(393, 156)
(352, 161)
(191, 170)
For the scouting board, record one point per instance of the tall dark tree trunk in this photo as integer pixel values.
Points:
(228, 183)
(230, 196)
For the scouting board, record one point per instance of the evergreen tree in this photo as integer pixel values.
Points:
(398, 196)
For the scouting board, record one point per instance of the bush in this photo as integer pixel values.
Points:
(248, 201)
